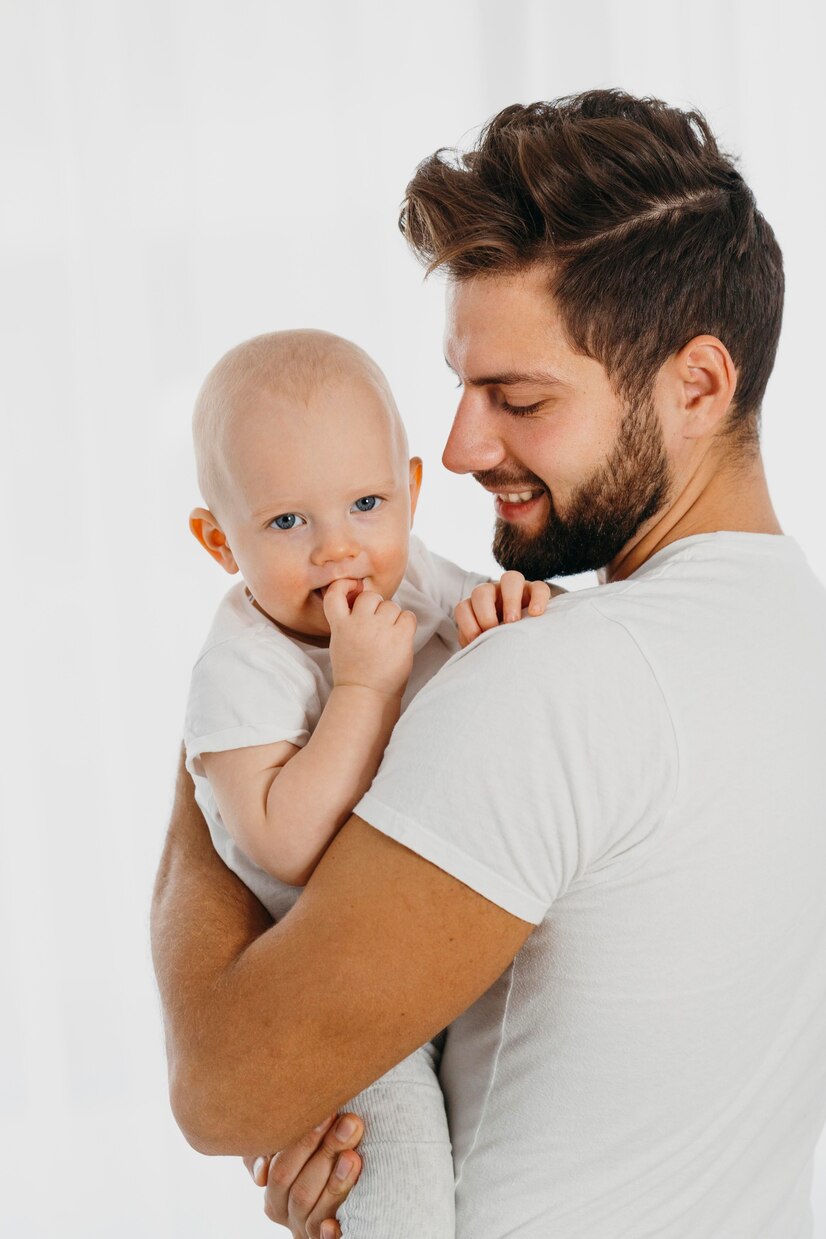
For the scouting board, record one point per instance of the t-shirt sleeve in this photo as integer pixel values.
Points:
(443, 581)
(247, 691)
(542, 753)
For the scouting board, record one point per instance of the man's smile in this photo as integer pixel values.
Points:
(514, 505)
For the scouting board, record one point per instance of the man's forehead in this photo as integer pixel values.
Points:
(505, 329)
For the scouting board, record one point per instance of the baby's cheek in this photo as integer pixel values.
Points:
(390, 565)
(286, 589)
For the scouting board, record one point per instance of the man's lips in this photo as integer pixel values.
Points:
(516, 502)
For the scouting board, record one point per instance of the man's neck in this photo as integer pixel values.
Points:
(732, 497)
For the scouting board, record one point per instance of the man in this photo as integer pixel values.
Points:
(596, 844)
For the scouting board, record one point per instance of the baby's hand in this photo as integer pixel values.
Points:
(371, 642)
(497, 601)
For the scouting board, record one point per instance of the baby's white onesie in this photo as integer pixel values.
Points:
(252, 685)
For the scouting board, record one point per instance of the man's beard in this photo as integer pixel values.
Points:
(604, 513)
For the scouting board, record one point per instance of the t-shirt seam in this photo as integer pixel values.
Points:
(495, 1071)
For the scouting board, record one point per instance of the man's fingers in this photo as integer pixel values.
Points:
(512, 586)
(537, 597)
(303, 1191)
(284, 1168)
(466, 623)
(258, 1168)
(340, 1183)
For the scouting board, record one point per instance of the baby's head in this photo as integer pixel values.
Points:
(303, 464)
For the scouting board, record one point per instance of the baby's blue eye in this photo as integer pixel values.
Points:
(368, 503)
(288, 520)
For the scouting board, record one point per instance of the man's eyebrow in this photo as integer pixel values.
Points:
(509, 378)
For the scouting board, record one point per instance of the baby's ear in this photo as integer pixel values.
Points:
(415, 484)
(212, 538)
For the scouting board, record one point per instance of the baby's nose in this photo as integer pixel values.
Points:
(334, 549)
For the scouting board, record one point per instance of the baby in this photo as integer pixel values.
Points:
(341, 617)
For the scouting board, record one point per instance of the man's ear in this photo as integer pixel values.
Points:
(707, 380)
(212, 538)
(415, 484)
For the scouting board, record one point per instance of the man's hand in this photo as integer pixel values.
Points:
(498, 602)
(307, 1182)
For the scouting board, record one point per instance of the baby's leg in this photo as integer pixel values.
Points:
(406, 1186)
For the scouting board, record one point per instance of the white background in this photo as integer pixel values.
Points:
(178, 175)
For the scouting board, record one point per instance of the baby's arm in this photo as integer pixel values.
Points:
(502, 601)
(282, 804)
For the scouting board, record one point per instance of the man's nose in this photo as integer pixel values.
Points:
(474, 444)
(334, 545)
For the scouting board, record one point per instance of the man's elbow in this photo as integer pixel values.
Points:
(209, 1125)
(215, 1118)
(194, 1115)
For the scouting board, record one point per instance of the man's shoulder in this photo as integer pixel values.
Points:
(586, 658)
(580, 630)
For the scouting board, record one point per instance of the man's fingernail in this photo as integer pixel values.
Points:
(258, 1166)
(342, 1167)
(345, 1129)
(328, 1230)
(323, 1124)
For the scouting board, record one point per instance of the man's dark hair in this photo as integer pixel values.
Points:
(650, 233)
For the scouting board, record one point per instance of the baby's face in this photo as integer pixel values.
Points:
(315, 494)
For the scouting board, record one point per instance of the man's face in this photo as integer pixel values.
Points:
(575, 471)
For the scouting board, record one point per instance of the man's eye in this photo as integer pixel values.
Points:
(368, 503)
(288, 520)
(520, 410)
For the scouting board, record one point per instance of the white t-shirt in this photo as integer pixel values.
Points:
(252, 684)
(642, 774)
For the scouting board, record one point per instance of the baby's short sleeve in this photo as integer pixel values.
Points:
(244, 691)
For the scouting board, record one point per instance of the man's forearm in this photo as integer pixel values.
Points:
(203, 917)
(271, 1027)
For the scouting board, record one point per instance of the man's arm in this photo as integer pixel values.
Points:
(269, 1029)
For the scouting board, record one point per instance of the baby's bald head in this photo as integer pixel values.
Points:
(285, 369)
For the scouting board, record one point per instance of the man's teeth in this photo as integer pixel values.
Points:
(521, 496)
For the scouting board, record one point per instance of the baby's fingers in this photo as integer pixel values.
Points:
(484, 600)
(339, 597)
(513, 590)
(537, 596)
(466, 623)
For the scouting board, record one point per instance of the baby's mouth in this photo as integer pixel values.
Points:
(319, 593)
